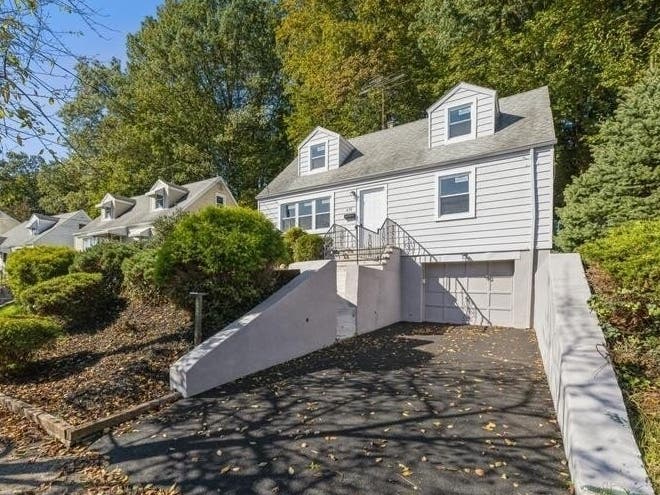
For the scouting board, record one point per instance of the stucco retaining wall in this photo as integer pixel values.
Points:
(379, 294)
(298, 319)
(598, 440)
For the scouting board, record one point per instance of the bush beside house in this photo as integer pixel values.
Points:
(229, 253)
(30, 266)
(308, 247)
(139, 276)
(624, 272)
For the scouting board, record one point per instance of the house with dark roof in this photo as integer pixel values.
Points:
(132, 218)
(42, 230)
(464, 196)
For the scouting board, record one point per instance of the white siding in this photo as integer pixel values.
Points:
(62, 233)
(485, 114)
(503, 219)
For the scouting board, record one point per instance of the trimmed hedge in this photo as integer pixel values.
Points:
(105, 258)
(76, 299)
(139, 275)
(228, 253)
(21, 336)
(308, 247)
(29, 266)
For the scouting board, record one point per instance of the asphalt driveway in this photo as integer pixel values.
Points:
(411, 408)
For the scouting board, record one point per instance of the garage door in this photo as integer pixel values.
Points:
(478, 293)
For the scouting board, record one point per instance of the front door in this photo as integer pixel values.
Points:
(373, 208)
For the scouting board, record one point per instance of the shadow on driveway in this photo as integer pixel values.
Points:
(413, 407)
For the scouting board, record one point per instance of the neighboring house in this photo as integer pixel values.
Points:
(467, 191)
(39, 230)
(133, 218)
(6, 223)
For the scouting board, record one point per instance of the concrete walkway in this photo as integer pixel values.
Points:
(411, 408)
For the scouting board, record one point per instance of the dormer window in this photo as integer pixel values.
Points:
(317, 156)
(159, 200)
(460, 121)
(106, 212)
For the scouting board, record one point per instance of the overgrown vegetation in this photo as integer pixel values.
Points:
(139, 276)
(624, 272)
(229, 253)
(30, 266)
(22, 336)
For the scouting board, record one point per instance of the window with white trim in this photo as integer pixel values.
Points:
(317, 156)
(106, 212)
(460, 121)
(309, 214)
(456, 194)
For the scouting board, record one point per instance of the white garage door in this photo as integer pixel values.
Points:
(475, 292)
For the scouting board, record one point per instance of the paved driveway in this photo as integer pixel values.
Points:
(426, 408)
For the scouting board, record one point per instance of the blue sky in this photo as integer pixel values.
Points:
(116, 19)
(121, 17)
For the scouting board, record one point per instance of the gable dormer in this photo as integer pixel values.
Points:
(322, 150)
(165, 195)
(114, 206)
(464, 113)
(38, 224)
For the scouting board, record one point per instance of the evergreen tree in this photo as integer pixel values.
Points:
(623, 182)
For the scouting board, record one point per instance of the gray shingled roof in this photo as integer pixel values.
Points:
(525, 121)
(21, 235)
(142, 213)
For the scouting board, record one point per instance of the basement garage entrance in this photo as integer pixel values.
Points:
(474, 292)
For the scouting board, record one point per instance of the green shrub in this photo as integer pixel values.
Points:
(76, 299)
(139, 275)
(164, 225)
(290, 237)
(29, 266)
(21, 336)
(308, 247)
(229, 253)
(630, 253)
(105, 258)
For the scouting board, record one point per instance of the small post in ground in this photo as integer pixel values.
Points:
(197, 339)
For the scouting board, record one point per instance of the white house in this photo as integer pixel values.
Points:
(42, 230)
(133, 218)
(466, 192)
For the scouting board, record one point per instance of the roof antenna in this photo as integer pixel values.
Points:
(383, 84)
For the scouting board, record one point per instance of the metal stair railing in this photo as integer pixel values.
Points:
(338, 241)
(367, 244)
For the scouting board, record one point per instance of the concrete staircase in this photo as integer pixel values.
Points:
(348, 272)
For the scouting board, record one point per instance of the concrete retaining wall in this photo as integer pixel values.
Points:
(298, 319)
(598, 440)
(379, 294)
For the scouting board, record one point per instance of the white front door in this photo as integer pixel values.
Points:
(373, 208)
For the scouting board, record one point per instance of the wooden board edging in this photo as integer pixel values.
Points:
(70, 435)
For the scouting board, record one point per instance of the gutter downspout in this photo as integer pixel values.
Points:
(532, 240)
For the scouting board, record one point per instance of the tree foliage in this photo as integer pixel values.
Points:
(623, 182)
(19, 196)
(200, 96)
(332, 51)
